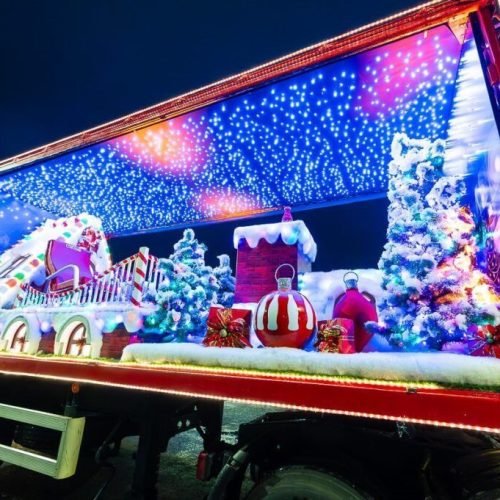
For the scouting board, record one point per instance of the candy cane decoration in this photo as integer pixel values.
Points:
(139, 275)
(123, 282)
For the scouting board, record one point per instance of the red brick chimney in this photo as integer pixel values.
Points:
(264, 247)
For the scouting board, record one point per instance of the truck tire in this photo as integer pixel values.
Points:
(304, 483)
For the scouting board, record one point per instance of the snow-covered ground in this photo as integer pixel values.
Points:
(438, 367)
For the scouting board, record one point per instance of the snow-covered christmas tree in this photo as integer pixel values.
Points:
(227, 282)
(435, 291)
(186, 293)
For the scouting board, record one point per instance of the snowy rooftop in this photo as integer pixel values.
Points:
(291, 232)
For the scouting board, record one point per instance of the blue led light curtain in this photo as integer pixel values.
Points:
(317, 137)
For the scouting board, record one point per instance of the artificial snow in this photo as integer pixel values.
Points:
(453, 369)
(103, 307)
(323, 288)
(106, 316)
(291, 232)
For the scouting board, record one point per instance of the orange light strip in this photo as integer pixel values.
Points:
(203, 395)
(454, 408)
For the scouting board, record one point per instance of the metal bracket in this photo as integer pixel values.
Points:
(64, 465)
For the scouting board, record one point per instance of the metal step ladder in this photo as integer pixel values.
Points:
(71, 429)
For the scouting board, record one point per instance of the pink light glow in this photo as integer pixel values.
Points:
(404, 68)
(173, 146)
(219, 203)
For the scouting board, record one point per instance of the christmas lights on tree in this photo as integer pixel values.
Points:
(436, 293)
(188, 289)
(227, 282)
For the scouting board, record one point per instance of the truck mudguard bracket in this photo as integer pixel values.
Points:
(71, 429)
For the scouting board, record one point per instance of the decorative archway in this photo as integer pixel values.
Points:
(21, 334)
(18, 340)
(77, 340)
(78, 336)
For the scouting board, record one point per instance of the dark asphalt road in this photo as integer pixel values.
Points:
(177, 470)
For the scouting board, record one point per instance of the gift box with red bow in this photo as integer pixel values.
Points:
(486, 341)
(336, 335)
(228, 328)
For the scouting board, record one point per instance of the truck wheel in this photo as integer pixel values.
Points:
(302, 483)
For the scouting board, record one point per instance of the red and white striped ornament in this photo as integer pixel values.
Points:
(284, 318)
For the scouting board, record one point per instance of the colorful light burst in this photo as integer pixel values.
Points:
(317, 137)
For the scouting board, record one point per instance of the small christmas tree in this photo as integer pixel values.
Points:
(227, 282)
(435, 291)
(186, 293)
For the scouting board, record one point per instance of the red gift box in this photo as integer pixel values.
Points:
(228, 327)
(336, 335)
(486, 341)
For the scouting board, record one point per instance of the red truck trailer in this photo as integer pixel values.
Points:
(398, 410)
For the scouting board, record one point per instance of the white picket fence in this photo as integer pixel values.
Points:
(128, 281)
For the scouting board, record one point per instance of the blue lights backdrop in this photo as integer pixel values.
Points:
(317, 137)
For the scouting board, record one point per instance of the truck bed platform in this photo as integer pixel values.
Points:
(413, 403)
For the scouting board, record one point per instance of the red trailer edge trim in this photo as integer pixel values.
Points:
(456, 408)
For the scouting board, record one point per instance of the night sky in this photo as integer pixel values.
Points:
(68, 66)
